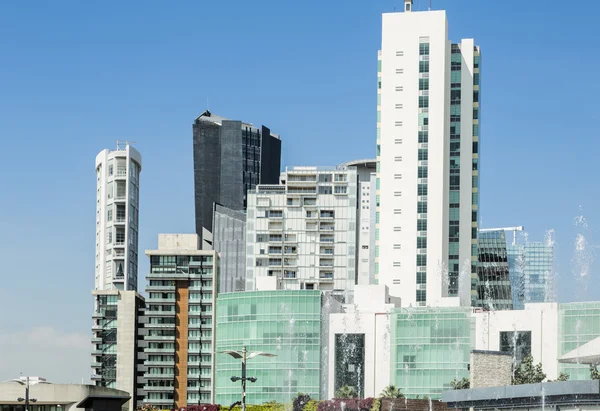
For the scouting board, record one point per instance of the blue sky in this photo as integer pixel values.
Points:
(76, 76)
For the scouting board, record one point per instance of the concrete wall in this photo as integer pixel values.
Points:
(127, 344)
(541, 319)
(67, 395)
(370, 315)
(490, 369)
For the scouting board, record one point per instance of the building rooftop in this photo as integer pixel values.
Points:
(526, 395)
(209, 117)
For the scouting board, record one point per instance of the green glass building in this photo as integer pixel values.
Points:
(286, 323)
(430, 347)
(578, 323)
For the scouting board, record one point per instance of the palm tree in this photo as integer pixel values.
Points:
(391, 392)
(346, 391)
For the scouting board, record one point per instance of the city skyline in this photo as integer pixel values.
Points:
(67, 225)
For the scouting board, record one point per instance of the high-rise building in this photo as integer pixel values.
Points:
(117, 305)
(117, 206)
(531, 270)
(301, 234)
(230, 158)
(229, 240)
(427, 153)
(493, 283)
(178, 330)
(365, 219)
(115, 342)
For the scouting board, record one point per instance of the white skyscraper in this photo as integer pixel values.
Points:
(427, 147)
(117, 205)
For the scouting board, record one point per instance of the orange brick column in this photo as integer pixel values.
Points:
(181, 343)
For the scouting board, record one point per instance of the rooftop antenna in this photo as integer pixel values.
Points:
(207, 106)
(122, 144)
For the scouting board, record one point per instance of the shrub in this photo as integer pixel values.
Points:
(339, 404)
(300, 401)
(376, 405)
(311, 405)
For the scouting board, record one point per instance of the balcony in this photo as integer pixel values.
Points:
(160, 363)
(159, 338)
(96, 340)
(326, 227)
(159, 326)
(325, 239)
(155, 389)
(326, 263)
(326, 275)
(96, 364)
(159, 313)
(151, 300)
(290, 262)
(96, 377)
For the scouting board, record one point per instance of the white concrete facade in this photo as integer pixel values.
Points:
(372, 312)
(117, 210)
(540, 319)
(370, 315)
(414, 155)
(303, 231)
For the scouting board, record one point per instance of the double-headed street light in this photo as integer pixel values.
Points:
(244, 355)
(26, 399)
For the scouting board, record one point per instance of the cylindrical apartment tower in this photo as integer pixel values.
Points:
(117, 205)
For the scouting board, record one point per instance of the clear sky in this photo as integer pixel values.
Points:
(76, 76)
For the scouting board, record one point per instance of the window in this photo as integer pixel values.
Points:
(516, 342)
(110, 170)
(475, 147)
(423, 136)
(421, 207)
(340, 189)
(421, 242)
(423, 66)
(424, 49)
(422, 172)
(475, 114)
(475, 96)
(423, 84)
(325, 190)
(421, 260)
(421, 296)
(421, 278)
(423, 102)
(422, 189)
(421, 225)
(109, 216)
(423, 154)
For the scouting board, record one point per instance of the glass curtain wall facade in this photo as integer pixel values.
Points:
(493, 290)
(285, 323)
(532, 273)
(429, 348)
(578, 323)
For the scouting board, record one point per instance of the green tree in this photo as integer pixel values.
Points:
(528, 373)
(594, 373)
(463, 384)
(562, 376)
(391, 392)
(346, 391)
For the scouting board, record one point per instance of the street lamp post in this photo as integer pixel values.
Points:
(26, 399)
(244, 356)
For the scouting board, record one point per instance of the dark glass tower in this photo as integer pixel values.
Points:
(494, 288)
(230, 157)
